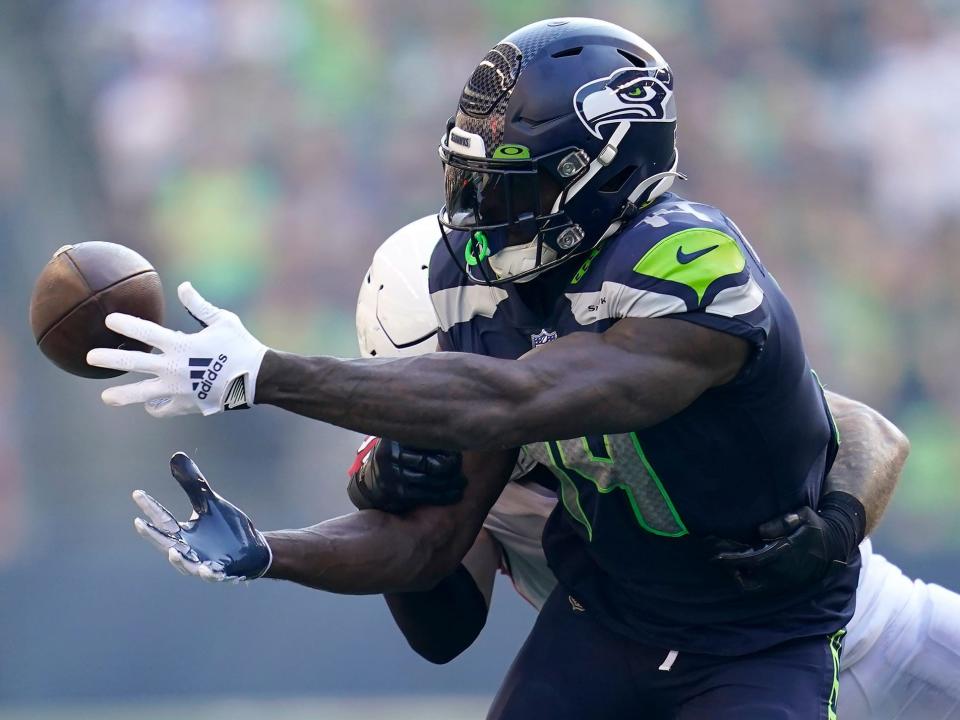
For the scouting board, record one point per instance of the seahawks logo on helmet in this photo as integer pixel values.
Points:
(627, 95)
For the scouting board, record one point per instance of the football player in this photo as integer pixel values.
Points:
(901, 654)
(667, 390)
(902, 650)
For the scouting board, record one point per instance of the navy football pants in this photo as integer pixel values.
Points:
(572, 668)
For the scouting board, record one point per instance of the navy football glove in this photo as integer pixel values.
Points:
(218, 543)
(395, 478)
(800, 547)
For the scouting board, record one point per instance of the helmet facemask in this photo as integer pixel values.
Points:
(510, 207)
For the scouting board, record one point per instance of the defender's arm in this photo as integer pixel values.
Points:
(636, 374)
(803, 545)
(374, 552)
(871, 457)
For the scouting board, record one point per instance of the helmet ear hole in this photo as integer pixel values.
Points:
(616, 183)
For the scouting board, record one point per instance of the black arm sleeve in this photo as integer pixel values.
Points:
(441, 623)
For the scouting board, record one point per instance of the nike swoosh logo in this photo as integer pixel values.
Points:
(684, 258)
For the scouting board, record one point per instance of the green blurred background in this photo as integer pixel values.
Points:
(263, 149)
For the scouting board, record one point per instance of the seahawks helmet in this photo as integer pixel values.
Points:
(564, 129)
(395, 317)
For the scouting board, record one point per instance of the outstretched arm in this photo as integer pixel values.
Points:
(366, 552)
(636, 374)
(871, 456)
(374, 552)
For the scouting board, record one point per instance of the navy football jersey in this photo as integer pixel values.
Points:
(628, 538)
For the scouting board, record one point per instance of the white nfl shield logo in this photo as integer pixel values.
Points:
(543, 337)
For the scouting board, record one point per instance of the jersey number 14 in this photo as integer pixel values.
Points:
(611, 463)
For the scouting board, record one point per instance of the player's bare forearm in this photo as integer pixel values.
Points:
(636, 374)
(371, 551)
(366, 552)
(871, 457)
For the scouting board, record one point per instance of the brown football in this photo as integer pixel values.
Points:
(77, 289)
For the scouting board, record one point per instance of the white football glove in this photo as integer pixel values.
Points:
(205, 372)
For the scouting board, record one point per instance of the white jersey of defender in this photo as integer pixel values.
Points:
(901, 656)
(516, 522)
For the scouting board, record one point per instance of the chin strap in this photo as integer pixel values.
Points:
(516, 259)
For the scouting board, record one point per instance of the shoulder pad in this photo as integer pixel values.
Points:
(677, 257)
(682, 242)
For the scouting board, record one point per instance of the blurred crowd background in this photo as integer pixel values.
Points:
(263, 149)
